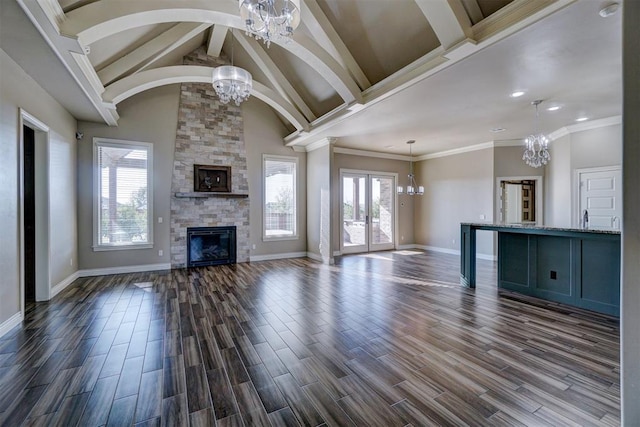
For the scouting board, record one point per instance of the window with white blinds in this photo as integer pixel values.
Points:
(122, 190)
(280, 219)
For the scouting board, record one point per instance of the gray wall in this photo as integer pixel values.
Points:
(150, 116)
(17, 90)
(630, 303)
(557, 196)
(263, 133)
(458, 188)
(405, 203)
(507, 162)
(591, 148)
(319, 187)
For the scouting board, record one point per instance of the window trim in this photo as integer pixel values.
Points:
(120, 143)
(295, 161)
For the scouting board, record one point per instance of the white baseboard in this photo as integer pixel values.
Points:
(487, 257)
(406, 247)
(277, 256)
(64, 283)
(124, 269)
(10, 323)
(315, 257)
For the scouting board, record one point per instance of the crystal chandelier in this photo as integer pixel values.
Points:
(412, 187)
(536, 153)
(232, 82)
(270, 20)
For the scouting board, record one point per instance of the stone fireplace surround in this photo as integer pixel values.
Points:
(208, 133)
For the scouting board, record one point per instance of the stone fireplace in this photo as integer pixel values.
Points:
(209, 133)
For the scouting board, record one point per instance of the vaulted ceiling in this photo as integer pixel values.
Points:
(370, 73)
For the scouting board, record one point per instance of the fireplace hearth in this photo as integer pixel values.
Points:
(211, 246)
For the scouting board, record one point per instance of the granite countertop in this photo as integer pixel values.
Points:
(538, 227)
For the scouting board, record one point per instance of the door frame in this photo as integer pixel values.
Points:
(539, 196)
(576, 216)
(393, 175)
(42, 136)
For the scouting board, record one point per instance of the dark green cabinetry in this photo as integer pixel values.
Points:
(576, 267)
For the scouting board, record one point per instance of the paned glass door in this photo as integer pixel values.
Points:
(368, 212)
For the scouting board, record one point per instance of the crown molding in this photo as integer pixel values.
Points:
(320, 143)
(588, 125)
(455, 151)
(376, 154)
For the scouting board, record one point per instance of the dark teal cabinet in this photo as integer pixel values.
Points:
(575, 267)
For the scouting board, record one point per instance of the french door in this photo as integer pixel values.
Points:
(368, 212)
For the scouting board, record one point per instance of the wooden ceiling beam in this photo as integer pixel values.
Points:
(149, 79)
(327, 37)
(273, 74)
(142, 57)
(448, 19)
(216, 40)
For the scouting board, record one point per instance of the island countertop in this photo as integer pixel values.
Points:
(532, 228)
(567, 265)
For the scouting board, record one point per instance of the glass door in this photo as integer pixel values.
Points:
(368, 212)
(382, 212)
(355, 218)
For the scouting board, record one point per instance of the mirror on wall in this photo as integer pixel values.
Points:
(518, 201)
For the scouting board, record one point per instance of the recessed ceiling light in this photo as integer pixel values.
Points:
(582, 119)
(554, 108)
(496, 130)
(609, 10)
(517, 94)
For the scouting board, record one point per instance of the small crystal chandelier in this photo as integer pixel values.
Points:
(536, 153)
(232, 82)
(270, 20)
(412, 187)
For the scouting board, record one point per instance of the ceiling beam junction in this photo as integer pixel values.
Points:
(327, 37)
(448, 19)
(273, 74)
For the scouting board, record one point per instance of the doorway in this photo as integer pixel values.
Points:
(368, 211)
(600, 195)
(34, 210)
(519, 200)
(29, 214)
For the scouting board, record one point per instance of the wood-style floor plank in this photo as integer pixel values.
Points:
(382, 339)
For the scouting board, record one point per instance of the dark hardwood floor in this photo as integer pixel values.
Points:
(386, 339)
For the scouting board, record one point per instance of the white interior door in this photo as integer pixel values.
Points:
(601, 197)
(368, 212)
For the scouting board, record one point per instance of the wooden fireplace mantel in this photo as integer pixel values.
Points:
(200, 194)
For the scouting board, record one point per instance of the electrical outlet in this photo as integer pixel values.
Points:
(71, 262)
(253, 246)
(402, 238)
(160, 252)
(453, 242)
(159, 220)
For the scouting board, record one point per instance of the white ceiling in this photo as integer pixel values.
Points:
(370, 73)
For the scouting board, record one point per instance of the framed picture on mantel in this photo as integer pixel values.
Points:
(209, 178)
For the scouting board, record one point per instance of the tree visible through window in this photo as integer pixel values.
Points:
(122, 188)
(279, 197)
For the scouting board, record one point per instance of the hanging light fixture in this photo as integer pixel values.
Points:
(412, 188)
(536, 153)
(232, 82)
(270, 20)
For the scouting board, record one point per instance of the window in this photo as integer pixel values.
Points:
(280, 222)
(123, 194)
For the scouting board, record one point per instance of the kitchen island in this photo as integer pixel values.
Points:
(571, 266)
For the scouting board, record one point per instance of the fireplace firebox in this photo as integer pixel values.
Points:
(211, 246)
